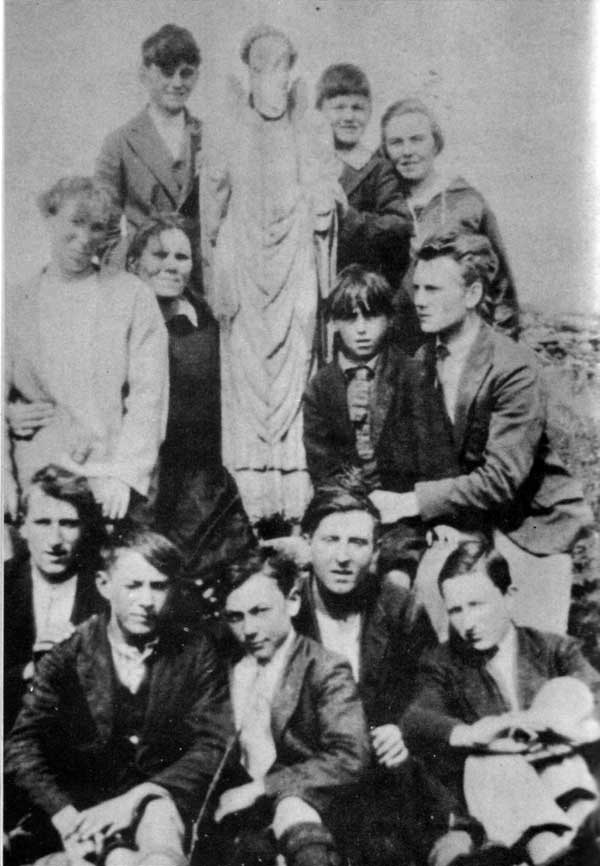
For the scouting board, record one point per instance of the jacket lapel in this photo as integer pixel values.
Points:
(477, 366)
(95, 672)
(529, 675)
(339, 403)
(145, 141)
(351, 179)
(287, 696)
(384, 394)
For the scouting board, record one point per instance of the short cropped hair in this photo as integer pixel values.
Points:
(473, 253)
(155, 548)
(413, 106)
(342, 79)
(154, 228)
(477, 555)
(281, 568)
(261, 32)
(358, 289)
(96, 201)
(339, 497)
(169, 47)
(59, 483)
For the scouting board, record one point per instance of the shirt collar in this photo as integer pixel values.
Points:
(347, 363)
(177, 121)
(63, 587)
(182, 307)
(460, 344)
(132, 653)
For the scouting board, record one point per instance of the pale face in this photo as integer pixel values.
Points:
(166, 263)
(52, 530)
(348, 116)
(442, 300)
(362, 335)
(76, 234)
(342, 549)
(169, 93)
(138, 595)
(269, 64)
(477, 610)
(260, 616)
(411, 146)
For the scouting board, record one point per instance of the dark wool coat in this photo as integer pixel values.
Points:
(394, 634)
(19, 626)
(407, 428)
(60, 751)
(508, 472)
(375, 232)
(455, 687)
(318, 728)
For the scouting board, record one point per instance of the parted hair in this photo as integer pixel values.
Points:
(169, 47)
(413, 106)
(96, 200)
(473, 253)
(342, 79)
(344, 494)
(357, 289)
(155, 548)
(477, 555)
(281, 568)
(59, 483)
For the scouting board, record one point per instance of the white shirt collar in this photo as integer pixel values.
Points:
(347, 363)
(460, 344)
(182, 307)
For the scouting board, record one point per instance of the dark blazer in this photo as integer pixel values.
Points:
(455, 687)
(136, 165)
(318, 726)
(60, 749)
(19, 626)
(507, 471)
(375, 232)
(395, 632)
(409, 433)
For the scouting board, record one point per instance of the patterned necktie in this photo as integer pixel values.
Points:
(360, 387)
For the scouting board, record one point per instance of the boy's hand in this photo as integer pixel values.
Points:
(237, 799)
(388, 746)
(394, 506)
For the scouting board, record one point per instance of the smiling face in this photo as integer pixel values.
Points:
(166, 263)
(478, 612)
(269, 63)
(169, 92)
(77, 231)
(348, 117)
(342, 549)
(362, 335)
(138, 595)
(410, 145)
(260, 616)
(52, 530)
(442, 301)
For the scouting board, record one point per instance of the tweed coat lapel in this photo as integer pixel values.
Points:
(385, 382)
(530, 673)
(477, 366)
(95, 673)
(144, 139)
(287, 696)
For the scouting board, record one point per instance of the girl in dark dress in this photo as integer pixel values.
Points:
(196, 501)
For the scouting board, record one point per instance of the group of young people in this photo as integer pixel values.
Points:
(263, 325)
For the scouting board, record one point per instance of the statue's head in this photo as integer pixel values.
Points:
(269, 55)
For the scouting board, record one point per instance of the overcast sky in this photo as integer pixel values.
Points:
(510, 80)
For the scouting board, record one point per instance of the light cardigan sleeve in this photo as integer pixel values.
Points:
(145, 405)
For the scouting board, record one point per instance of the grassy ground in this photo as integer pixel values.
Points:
(568, 348)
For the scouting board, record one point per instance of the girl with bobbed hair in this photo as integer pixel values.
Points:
(412, 139)
(196, 502)
(86, 360)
